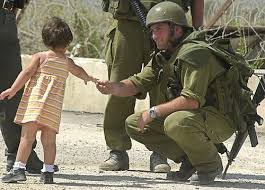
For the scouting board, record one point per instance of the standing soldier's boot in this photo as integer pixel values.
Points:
(34, 164)
(10, 160)
(158, 163)
(117, 161)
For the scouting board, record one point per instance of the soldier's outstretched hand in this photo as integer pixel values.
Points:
(8, 93)
(105, 86)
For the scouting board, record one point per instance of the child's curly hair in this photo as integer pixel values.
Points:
(56, 33)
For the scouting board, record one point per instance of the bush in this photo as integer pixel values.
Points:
(87, 21)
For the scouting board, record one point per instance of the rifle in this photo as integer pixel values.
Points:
(140, 11)
(250, 128)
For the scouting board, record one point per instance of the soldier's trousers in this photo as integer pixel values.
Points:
(10, 67)
(128, 48)
(192, 132)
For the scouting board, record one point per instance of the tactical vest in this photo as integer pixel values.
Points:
(228, 92)
(121, 9)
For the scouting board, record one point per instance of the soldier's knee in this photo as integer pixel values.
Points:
(178, 124)
(131, 124)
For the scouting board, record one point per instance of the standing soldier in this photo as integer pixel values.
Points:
(10, 68)
(127, 49)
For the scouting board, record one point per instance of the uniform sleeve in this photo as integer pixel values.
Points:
(145, 80)
(195, 71)
(195, 81)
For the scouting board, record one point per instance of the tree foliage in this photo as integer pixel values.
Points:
(87, 21)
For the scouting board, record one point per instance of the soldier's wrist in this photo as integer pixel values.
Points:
(153, 112)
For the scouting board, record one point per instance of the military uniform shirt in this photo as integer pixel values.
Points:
(196, 70)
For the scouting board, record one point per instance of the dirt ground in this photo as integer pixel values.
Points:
(81, 147)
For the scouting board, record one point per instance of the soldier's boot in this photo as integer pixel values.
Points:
(159, 163)
(117, 161)
(34, 164)
(14, 176)
(186, 170)
(46, 177)
(10, 160)
(206, 178)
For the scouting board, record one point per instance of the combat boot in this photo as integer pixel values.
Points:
(158, 163)
(14, 176)
(34, 164)
(206, 178)
(185, 171)
(10, 160)
(46, 177)
(117, 161)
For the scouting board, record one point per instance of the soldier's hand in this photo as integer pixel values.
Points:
(105, 87)
(9, 93)
(143, 120)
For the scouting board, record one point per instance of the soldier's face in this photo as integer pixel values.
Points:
(161, 35)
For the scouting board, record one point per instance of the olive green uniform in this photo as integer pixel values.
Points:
(194, 72)
(10, 68)
(127, 49)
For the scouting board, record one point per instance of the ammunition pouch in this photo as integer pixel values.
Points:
(173, 89)
(120, 9)
(7, 4)
(105, 5)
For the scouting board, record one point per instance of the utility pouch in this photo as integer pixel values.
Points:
(105, 5)
(148, 4)
(8, 4)
(119, 8)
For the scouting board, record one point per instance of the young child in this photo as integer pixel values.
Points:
(41, 105)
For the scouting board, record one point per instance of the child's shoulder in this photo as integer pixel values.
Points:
(41, 56)
(70, 60)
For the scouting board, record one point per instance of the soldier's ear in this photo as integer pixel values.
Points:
(179, 31)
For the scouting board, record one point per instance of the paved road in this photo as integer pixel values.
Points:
(81, 147)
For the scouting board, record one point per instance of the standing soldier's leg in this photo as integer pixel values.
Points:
(128, 48)
(124, 57)
(10, 68)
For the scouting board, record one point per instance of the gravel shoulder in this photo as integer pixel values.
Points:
(81, 147)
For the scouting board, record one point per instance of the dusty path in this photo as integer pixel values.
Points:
(81, 147)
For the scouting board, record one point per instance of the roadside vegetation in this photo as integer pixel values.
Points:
(89, 24)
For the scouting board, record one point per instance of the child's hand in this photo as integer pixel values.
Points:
(90, 78)
(9, 93)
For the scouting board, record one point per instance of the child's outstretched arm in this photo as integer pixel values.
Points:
(80, 72)
(22, 78)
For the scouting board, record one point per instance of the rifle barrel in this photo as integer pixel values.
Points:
(226, 168)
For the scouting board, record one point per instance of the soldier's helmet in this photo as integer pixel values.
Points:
(166, 12)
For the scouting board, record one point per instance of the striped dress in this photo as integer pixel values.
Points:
(42, 99)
